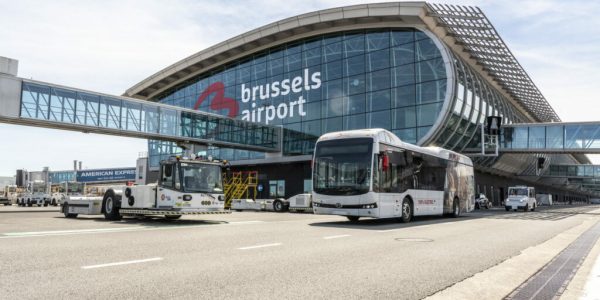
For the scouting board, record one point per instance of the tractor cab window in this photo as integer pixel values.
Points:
(167, 172)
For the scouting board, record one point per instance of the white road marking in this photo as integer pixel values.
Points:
(260, 246)
(336, 236)
(122, 263)
(106, 230)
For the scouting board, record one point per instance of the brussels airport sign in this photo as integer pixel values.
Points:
(127, 174)
(253, 95)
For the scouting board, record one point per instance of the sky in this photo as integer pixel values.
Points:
(109, 46)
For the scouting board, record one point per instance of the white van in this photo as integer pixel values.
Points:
(520, 197)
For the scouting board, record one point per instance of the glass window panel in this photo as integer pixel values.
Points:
(354, 122)
(404, 75)
(312, 128)
(404, 117)
(426, 49)
(331, 70)
(378, 80)
(428, 70)
(400, 37)
(378, 40)
(80, 105)
(275, 68)
(407, 135)
(404, 96)
(312, 57)
(379, 119)
(91, 108)
(332, 124)
(419, 35)
(243, 75)
(332, 52)
(378, 60)
(354, 65)
(519, 138)
(427, 114)
(332, 89)
(379, 100)
(168, 122)
(293, 61)
(354, 104)
(110, 113)
(403, 54)
(131, 117)
(354, 45)
(332, 39)
(150, 117)
(313, 111)
(354, 85)
(333, 107)
(433, 91)
(554, 137)
(312, 43)
(422, 131)
(537, 137)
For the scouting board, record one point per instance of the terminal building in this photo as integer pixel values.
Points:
(429, 73)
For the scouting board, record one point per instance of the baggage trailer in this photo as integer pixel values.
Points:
(185, 187)
(276, 205)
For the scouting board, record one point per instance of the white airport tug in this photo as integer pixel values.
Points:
(185, 187)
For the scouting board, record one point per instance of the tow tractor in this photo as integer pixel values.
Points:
(185, 187)
(36, 194)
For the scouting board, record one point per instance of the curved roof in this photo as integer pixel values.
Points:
(466, 30)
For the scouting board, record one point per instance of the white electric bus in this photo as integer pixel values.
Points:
(372, 173)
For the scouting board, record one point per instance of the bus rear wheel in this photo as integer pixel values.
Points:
(455, 208)
(407, 211)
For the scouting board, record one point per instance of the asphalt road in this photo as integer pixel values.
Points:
(262, 255)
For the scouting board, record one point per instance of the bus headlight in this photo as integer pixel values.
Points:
(187, 197)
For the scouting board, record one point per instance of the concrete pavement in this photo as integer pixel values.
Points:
(252, 255)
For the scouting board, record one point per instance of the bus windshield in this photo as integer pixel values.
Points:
(201, 178)
(343, 167)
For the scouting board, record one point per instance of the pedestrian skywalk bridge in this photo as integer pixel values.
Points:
(563, 137)
(32, 103)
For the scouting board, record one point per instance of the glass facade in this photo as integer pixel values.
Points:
(473, 100)
(390, 78)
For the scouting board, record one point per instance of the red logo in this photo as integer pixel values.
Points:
(219, 101)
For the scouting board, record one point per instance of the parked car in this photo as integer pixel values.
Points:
(482, 201)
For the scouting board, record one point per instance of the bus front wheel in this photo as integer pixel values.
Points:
(407, 210)
(353, 218)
